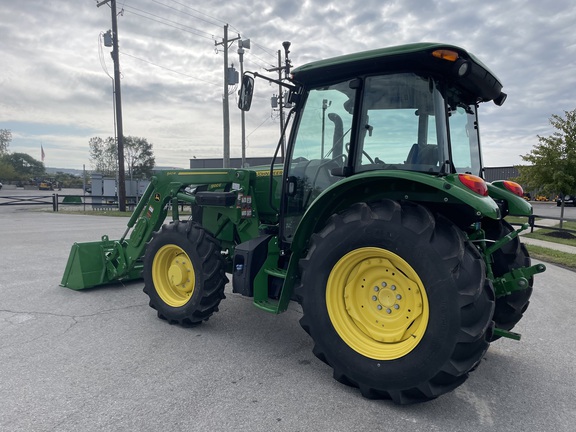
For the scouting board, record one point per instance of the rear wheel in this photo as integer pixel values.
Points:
(396, 301)
(184, 273)
(510, 308)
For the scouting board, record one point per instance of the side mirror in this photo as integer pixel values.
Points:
(246, 92)
(499, 100)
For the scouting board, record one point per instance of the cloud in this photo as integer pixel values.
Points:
(55, 91)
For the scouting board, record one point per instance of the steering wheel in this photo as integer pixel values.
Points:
(372, 161)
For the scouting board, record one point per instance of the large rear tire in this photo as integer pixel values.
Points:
(396, 301)
(184, 273)
(510, 308)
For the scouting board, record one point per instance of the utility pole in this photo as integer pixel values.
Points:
(286, 70)
(226, 108)
(120, 132)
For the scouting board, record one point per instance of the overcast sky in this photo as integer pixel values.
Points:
(55, 88)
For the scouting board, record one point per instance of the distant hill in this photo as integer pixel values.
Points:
(71, 171)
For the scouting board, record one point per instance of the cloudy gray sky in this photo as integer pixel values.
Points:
(55, 90)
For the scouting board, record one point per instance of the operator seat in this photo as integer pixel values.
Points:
(425, 154)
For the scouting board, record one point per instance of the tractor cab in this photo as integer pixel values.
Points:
(410, 108)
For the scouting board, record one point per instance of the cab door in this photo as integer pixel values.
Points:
(319, 151)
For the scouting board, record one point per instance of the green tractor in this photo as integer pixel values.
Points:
(378, 223)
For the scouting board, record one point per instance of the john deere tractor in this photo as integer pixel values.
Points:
(378, 222)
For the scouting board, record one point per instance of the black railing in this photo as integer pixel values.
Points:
(26, 200)
(532, 221)
(57, 201)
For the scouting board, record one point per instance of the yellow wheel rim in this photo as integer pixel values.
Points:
(173, 275)
(377, 303)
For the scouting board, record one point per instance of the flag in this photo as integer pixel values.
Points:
(42, 152)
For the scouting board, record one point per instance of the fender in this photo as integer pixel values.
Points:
(517, 206)
(396, 185)
(375, 185)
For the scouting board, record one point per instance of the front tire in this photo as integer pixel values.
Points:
(396, 301)
(184, 273)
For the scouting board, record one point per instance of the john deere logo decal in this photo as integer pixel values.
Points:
(157, 197)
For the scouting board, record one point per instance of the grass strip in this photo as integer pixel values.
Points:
(563, 259)
(517, 219)
(555, 236)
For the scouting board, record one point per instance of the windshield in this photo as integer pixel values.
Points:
(403, 126)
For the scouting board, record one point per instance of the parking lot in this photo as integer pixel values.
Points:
(100, 359)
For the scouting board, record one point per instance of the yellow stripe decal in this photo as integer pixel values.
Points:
(267, 173)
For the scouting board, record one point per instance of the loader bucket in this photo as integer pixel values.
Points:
(86, 265)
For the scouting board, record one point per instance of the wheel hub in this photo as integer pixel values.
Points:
(178, 274)
(386, 312)
(386, 296)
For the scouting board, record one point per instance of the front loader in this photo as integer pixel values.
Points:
(378, 223)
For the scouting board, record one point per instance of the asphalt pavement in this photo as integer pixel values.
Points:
(100, 359)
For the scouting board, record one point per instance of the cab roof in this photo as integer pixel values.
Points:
(480, 84)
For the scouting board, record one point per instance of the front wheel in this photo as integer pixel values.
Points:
(184, 273)
(396, 301)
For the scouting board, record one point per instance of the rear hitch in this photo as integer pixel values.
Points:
(516, 280)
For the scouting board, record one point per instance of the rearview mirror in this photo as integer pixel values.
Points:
(246, 92)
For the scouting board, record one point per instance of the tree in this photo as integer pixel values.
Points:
(138, 156)
(553, 159)
(104, 155)
(5, 139)
(7, 171)
(25, 166)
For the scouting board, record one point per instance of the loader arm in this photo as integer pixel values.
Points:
(98, 263)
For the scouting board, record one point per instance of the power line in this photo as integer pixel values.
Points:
(166, 22)
(191, 15)
(268, 117)
(177, 26)
(263, 63)
(170, 70)
(266, 50)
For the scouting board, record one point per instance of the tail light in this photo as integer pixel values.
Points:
(514, 187)
(474, 183)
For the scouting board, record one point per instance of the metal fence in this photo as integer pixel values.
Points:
(56, 201)
(533, 223)
(25, 200)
